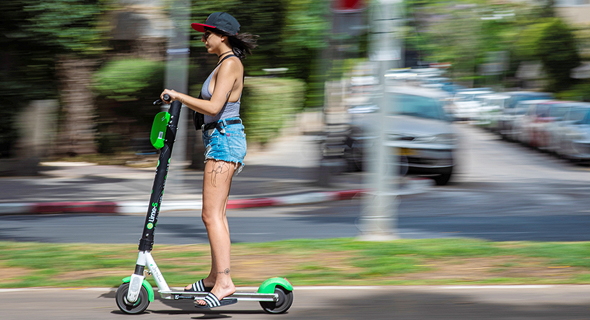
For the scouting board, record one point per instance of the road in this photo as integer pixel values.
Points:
(503, 192)
(375, 303)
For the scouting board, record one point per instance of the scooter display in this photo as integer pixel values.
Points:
(135, 294)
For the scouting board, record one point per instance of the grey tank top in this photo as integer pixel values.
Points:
(229, 109)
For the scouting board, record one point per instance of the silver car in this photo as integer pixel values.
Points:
(573, 133)
(417, 125)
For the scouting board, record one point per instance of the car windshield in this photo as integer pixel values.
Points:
(416, 106)
(518, 98)
(558, 110)
(579, 115)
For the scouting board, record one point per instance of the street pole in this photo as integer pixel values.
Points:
(378, 221)
(176, 78)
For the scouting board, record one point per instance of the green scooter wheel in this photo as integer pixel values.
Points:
(136, 307)
(283, 303)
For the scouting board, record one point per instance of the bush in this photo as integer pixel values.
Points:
(124, 80)
(268, 103)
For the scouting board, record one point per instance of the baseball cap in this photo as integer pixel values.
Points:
(221, 21)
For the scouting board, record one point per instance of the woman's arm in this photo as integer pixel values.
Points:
(227, 75)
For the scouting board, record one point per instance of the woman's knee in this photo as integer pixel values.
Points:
(212, 217)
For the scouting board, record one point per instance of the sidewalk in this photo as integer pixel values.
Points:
(285, 173)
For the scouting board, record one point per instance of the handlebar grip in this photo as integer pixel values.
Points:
(159, 101)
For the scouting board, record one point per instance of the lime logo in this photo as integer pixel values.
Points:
(154, 210)
(150, 226)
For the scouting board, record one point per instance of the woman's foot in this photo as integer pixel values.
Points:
(220, 290)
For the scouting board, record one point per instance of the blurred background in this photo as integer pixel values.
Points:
(78, 77)
(475, 113)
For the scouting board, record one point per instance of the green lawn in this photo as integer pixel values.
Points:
(306, 262)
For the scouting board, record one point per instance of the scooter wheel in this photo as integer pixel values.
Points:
(283, 303)
(136, 307)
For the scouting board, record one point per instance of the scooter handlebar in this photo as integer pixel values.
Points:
(159, 101)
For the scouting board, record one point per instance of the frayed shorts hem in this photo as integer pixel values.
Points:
(238, 165)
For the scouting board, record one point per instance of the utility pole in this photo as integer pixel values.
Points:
(176, 78)
(378, 221)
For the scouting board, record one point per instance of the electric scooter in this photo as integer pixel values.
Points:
(135, 294)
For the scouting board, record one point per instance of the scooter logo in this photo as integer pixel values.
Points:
(153, 213)
(150, 226)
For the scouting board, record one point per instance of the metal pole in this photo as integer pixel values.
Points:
(378, 221)
(177, 79)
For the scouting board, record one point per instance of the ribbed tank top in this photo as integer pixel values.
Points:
(229, 109)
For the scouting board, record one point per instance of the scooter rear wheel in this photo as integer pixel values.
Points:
(138, 306)
(283, 303)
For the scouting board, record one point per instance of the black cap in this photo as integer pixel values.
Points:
(221, 21)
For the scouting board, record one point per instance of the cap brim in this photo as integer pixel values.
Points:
(201, 27)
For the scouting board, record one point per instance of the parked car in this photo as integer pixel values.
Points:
(518, 96)
(490, 110)
(512, 112)
(465, 105)
(548, 116)
(511, 123)
(573, 133)
(417, 125)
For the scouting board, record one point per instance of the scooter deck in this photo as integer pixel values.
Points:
(241, 296)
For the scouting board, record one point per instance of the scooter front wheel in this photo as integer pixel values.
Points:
(136, 307)
(283, 303)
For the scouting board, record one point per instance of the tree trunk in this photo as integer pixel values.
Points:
(77, 134)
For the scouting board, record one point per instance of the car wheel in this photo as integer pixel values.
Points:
(443, 178)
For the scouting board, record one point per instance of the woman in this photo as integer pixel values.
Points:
(225, 144)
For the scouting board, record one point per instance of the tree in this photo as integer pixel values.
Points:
(66, 36)
(558, 51)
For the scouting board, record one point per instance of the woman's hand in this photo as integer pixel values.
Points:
(172, 94)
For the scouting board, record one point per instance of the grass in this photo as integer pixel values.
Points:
(307, 262)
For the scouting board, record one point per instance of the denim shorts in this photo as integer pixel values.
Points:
(229, 146)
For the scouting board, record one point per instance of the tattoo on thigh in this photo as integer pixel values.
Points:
(226, 271)
(220, 169)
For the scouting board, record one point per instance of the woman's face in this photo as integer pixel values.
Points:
(212, 40)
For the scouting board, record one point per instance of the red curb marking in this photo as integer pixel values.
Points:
(75, 207)
(251, 203)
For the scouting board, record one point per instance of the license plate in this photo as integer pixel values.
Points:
(406, 152)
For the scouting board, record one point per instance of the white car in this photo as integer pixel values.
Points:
(416, 125)
(465, 105)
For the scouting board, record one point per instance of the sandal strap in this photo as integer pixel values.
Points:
(212, 301)
(199, 286)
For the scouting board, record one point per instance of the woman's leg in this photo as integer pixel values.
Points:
(216, 186)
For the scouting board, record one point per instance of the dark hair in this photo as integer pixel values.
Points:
(241, 43)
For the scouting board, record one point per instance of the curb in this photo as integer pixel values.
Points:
(129, 207)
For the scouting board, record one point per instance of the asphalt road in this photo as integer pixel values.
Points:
(400, 303)
(502, 191)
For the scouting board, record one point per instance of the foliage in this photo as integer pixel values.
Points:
(126, 79)
(32, 34)
(268, 103)
(578, 92)
(68, 26)
(559, 54)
